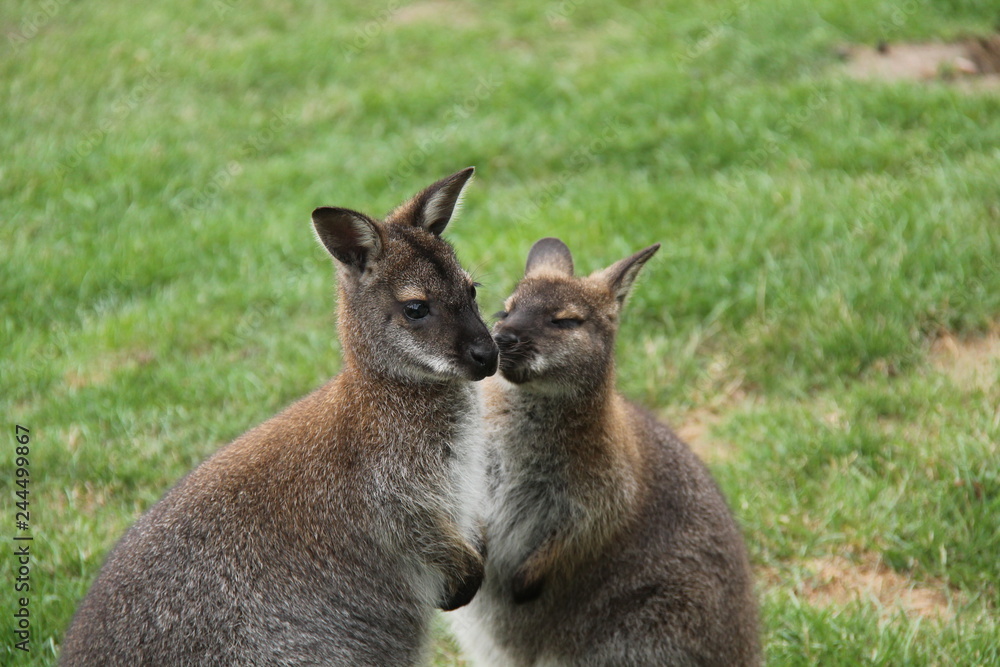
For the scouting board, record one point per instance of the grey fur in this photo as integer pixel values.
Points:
(610, 543)
(329, 533)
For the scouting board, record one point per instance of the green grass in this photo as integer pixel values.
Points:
(161, 292)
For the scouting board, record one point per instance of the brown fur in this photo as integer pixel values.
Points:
(327, 534)
(610, 544)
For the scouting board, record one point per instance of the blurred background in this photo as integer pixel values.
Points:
(822, 322)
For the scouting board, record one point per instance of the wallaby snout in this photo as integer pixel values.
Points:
(483, 357)
(514, 339)
(506, 338)
(513, 329)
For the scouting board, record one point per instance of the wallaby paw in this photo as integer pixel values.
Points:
(463, 593)
(526, 587)
(463, 587)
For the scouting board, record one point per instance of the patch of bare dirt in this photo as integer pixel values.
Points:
(696, 431)
(971, 363)
(440, 12)
(84, 498)
(100, 371)
(695, 427)
(972, 63)
(837, 581)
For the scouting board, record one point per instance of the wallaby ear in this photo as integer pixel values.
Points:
(621, 275)
(436, 204)
(351, 237)
(549, 255)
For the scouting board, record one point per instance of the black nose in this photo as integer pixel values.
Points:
(485, 355)
(506, 338)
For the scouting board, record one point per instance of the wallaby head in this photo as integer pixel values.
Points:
(557, 331)
(407, 309)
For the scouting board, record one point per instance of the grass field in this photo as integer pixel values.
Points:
(821, 322)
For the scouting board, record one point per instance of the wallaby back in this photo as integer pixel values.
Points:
(327, 534)
(610, 543)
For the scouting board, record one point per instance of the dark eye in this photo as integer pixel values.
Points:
(472, 289)
(567, 323)
(416, 310)
(500, 314)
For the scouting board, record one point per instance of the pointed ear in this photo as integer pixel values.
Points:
(621, 275)
(435, 205)
(352, 238)
(549, 255)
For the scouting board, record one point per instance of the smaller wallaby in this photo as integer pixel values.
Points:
(610, 543)
(329, 533)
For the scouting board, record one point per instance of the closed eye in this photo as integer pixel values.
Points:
(567, 322)
(499, 315)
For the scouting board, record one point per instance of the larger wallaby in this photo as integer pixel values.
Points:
(610, 543)
(329, 533)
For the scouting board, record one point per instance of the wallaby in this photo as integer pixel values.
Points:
(610, 543)
(327, 534)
